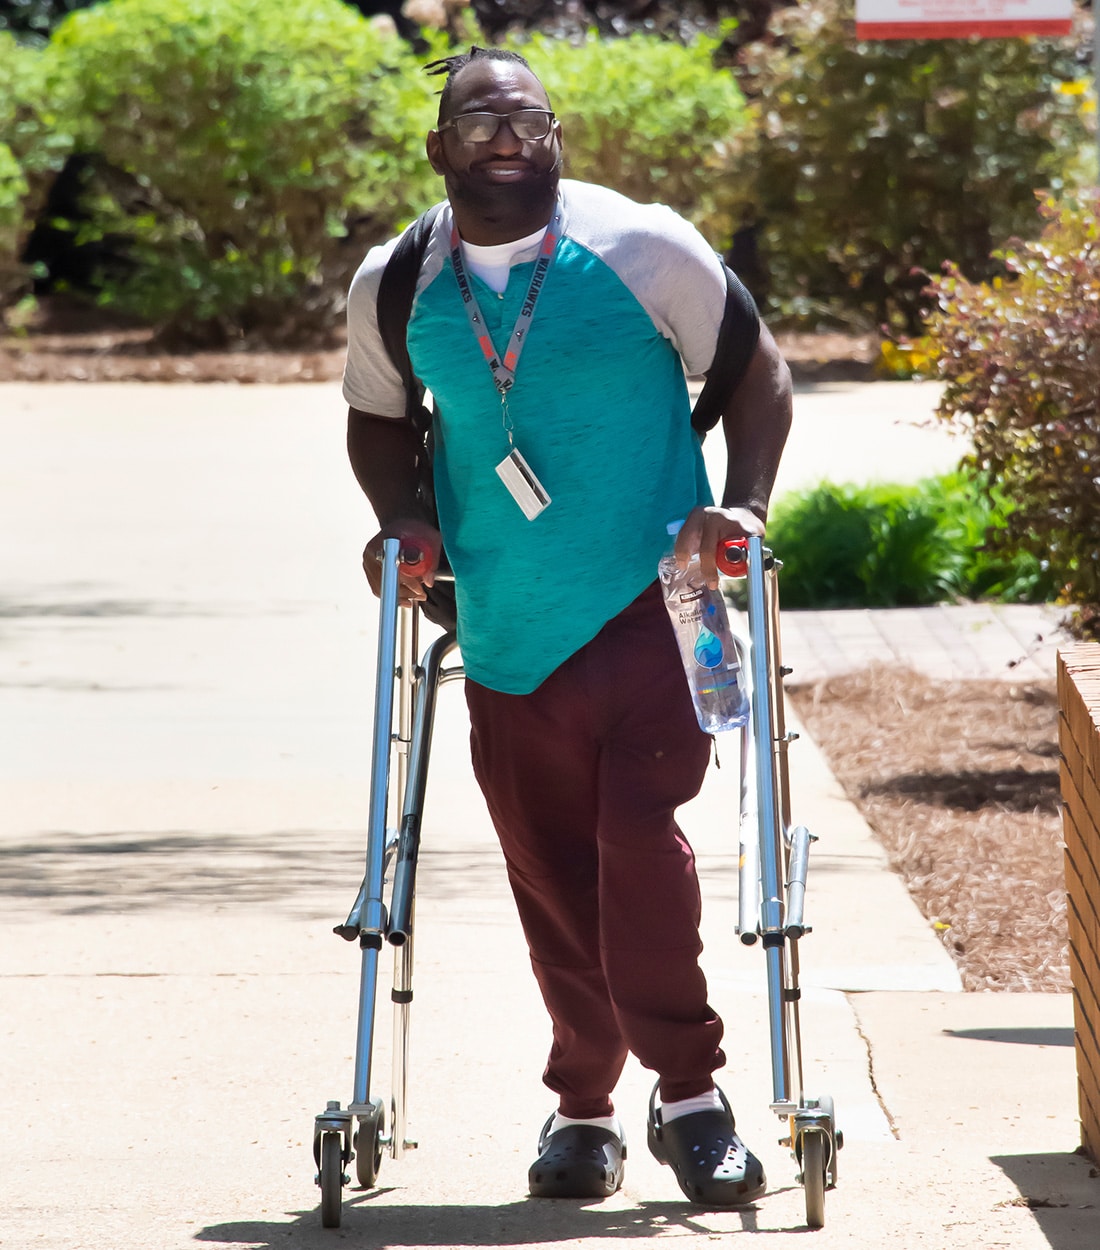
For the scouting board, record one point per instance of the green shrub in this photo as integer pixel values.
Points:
(32, 20)
(13, 194)
(242, 143)
(973, 515)
(33, 145)
(571, 19)
(648, 117)
(898, 546)
(1021, 358)
(873, 162)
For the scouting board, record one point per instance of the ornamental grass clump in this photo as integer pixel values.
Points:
(1021, 359)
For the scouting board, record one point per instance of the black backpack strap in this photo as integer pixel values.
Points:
(395, 300)
(737, 339)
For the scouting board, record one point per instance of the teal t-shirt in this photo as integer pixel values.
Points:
(599, 410)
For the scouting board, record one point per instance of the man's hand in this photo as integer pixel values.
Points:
(417, 537)
(706, 528)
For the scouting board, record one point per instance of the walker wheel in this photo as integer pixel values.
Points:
(368, 1144)
(331, 1178)
(813, 1176)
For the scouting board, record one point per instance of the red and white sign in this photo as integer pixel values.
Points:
(958, 19)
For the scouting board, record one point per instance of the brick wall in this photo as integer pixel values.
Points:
(1079, 738)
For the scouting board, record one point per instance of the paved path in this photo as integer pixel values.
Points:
(186, 653)
(1015, 642)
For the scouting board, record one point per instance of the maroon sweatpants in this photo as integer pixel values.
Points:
(582, 778)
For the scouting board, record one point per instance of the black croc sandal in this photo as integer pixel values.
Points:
(578, 1161)
(711, 1163)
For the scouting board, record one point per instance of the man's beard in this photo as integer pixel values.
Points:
(502, 201)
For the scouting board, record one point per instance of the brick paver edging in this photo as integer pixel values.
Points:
(1079, 739)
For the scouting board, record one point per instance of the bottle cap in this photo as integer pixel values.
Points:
(673, 528)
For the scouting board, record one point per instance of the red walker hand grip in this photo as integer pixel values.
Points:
(414, 561)
(732, 557)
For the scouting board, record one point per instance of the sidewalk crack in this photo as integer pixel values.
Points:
(887, 1113)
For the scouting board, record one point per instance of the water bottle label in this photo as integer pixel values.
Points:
(713, 673)
(708, 649)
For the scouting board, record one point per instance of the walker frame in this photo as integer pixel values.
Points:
(772, 868)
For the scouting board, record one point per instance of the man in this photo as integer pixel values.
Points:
(553, 322)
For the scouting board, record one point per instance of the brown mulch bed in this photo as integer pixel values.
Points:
(959, 781)
(68, 343)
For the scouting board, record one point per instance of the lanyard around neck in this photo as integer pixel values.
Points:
(504, 371)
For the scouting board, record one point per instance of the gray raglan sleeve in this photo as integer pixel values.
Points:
(686, 289)
(371, 383)
(669, 267)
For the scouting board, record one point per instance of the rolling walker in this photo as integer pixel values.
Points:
(773, 863)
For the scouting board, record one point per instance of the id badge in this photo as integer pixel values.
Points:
(522, 485)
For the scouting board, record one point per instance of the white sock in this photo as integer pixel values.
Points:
(710, 1101)
(609, 1122)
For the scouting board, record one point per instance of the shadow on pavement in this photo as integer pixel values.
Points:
(102, 608)
(85, 600)
(63, 873)
(1020, 1037)
(70, 874)
(530, 1222)
(1062, 1191)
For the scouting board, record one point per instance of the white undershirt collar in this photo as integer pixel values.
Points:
(493, 263)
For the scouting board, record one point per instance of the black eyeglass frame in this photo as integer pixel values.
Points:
(501, 118)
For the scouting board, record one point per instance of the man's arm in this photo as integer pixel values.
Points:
(383, 455)
(755, 422)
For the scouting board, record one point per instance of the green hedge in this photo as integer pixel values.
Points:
(246, 156)
(32, 20)
(873, 162)
(34, 142)
(648, 117)
(242, 142)
(13, 194)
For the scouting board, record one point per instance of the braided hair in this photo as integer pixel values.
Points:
(451, 65)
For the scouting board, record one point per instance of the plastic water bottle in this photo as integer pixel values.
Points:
(707, 648)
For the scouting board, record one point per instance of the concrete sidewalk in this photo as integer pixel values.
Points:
(186, 656)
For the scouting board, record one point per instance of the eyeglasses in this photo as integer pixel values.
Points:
(525, 124)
